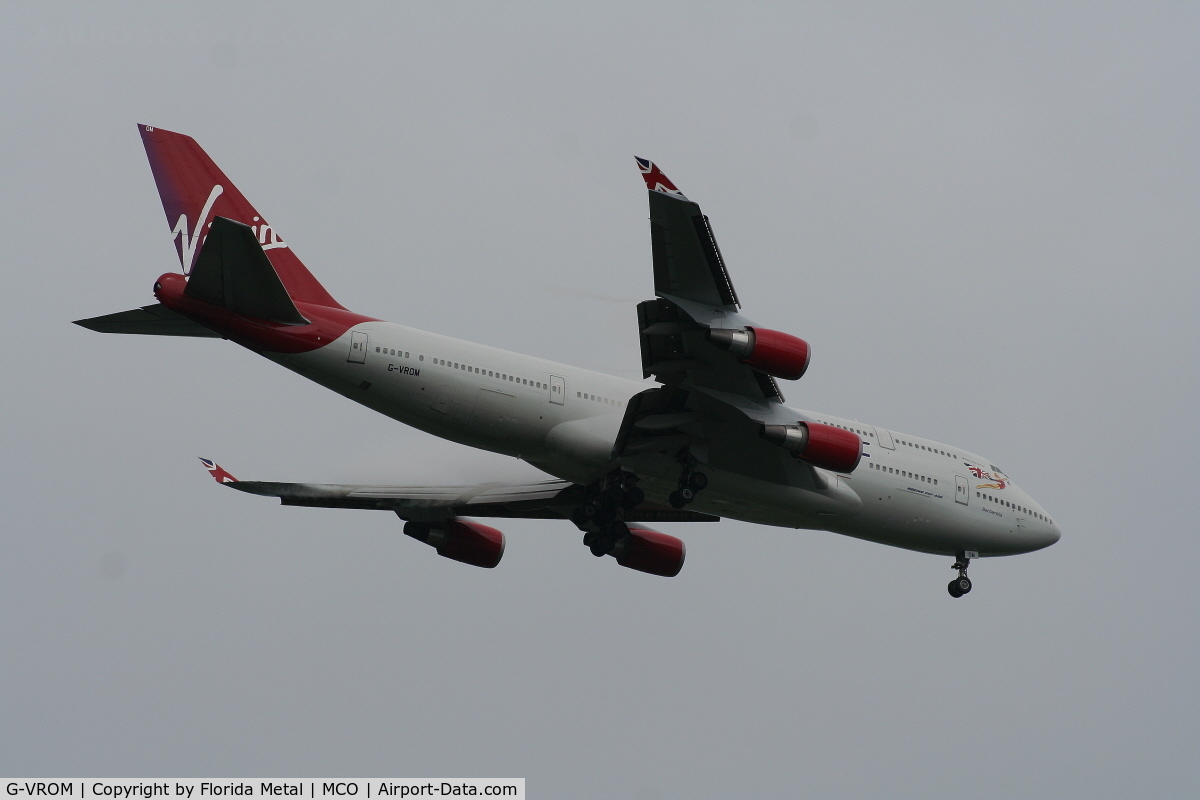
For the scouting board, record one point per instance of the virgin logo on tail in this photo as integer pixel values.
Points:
(189, 243)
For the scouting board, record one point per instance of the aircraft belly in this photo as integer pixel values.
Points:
(927, 524)
(495, 418)
(736, 496)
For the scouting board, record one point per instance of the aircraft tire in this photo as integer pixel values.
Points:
(698, 481)
(633, 498)
(953, 589)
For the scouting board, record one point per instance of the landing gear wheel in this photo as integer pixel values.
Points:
(603, 542)
(633, 498)
(698, 481)
(676, 500)
(962, 584)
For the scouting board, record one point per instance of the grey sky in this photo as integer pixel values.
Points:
(983, 218)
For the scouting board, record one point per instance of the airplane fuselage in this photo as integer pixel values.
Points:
(907, 491)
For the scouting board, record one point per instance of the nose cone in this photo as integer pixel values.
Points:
(1049, 537)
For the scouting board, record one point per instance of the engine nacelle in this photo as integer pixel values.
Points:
(461, 540)
(647, 550)
(821, 445)
(779, 354)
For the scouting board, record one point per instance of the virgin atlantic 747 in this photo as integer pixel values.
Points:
(710, 437)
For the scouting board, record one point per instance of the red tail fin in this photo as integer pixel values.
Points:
(194, 190)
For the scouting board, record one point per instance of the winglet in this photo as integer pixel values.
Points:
(219, 475)
(656, 181)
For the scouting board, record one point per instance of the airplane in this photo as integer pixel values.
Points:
(710, 438)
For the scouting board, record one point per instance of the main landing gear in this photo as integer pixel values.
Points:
(690, 481)
(601, 516)
(962, 584)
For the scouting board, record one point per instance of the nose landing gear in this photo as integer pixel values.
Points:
(962, 584)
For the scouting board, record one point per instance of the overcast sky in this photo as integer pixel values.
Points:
(982, 216)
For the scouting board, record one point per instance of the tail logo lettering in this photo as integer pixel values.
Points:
(189, 242)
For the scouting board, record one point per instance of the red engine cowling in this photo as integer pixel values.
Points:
(779, 354)
(647, 550)
(820, 445)
(461, 540)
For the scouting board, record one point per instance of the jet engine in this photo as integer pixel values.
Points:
(647, 550)
(779, 354)
(821, 445)
(459, 539)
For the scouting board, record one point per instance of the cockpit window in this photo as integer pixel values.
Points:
(997, 469)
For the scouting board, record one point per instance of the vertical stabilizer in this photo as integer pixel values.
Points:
(194, 191)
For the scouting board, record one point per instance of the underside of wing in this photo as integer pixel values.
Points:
(723, 432)
(553, 499)
(687, 260)
(686, 334)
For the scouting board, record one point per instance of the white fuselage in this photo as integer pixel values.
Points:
(907, 491)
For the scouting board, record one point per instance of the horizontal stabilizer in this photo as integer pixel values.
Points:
(155, 320)
(233, 272)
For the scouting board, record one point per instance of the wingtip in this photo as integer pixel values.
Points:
(219, 475)
(655, 180)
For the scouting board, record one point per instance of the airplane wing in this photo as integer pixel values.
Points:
(718, 368)
(553, 499)
(695, 296)
(687, 261)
